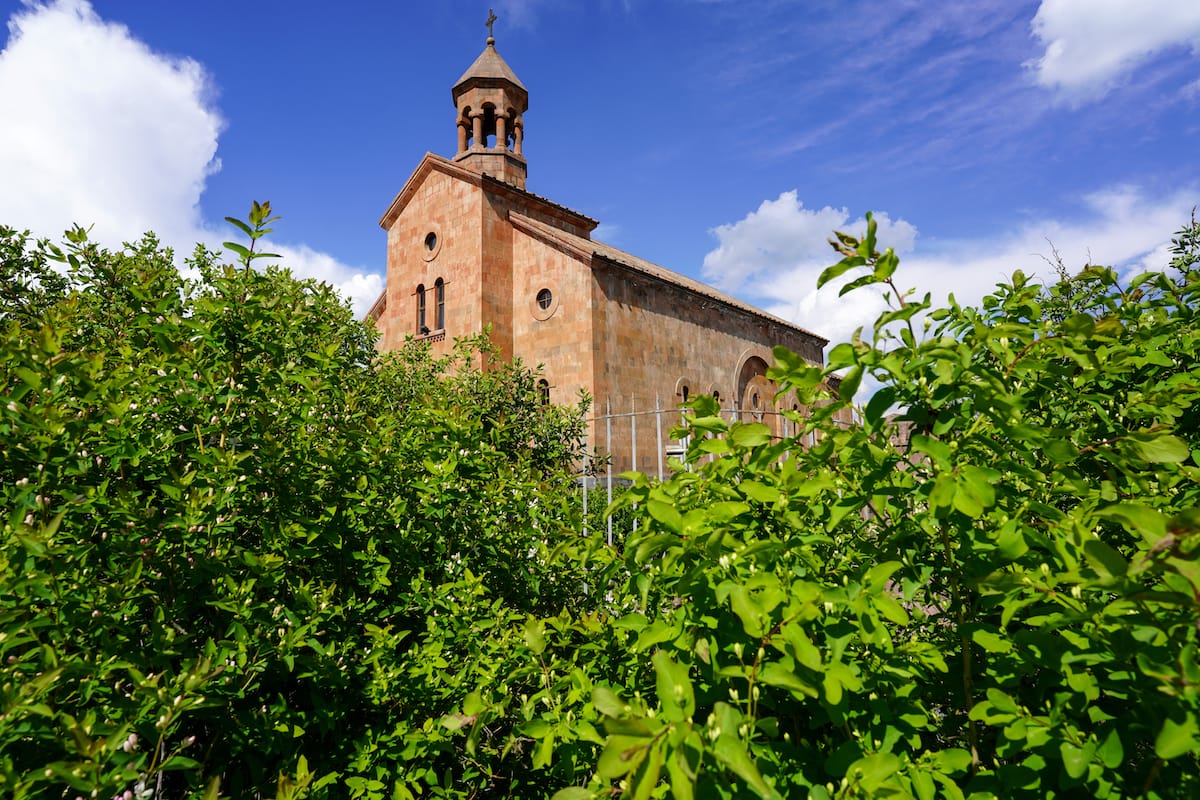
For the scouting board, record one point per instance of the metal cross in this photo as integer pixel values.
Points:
(490, 22)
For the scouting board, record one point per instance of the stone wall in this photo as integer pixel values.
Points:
(451, 210)
(653, 339)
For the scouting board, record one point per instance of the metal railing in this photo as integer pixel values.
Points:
(614, 452)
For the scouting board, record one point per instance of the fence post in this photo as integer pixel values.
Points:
(633, 441)
(658, 434)
(586, 464)
(608, 450)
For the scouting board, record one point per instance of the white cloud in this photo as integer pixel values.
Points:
(783, 232)
(1090, 44)
(360, 288)
(101, 130)
(774, 255)
(777, 251)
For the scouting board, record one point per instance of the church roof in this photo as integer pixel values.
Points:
(489, 65)
(593, 248)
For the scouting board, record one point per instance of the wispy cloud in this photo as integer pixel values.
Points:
(941, 78)
(101, 130)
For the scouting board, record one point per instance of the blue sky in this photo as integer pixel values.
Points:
(722, 139)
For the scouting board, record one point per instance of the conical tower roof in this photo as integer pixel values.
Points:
(489, 66)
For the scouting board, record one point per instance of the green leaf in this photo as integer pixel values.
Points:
(750, 435)
(1139, 518)
(682, 778)
(879, 404)
(1075, 759)
(620, 755)
(953, 760)
(241, 250)
(535, 636)
(649, 547)
(850, 383)
(974, 492)
(607, 702)
(646, 778)
(837, 270)
(943, 491)
(1160, 448)
(1104, 559)
(842, 355)
(655, 633)
(573, 793)
(991, 642)
(1176, 738)
(731, 751)
(938, 451)
(833, 688)
(774, 673)
(1080, 325)
(243, 226)
(885, 267)
(665, 514)
(1111, 752)
(760, 492)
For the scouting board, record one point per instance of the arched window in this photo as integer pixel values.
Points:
(439, 299)
(685, 392)
(421, 326)
(543, 388)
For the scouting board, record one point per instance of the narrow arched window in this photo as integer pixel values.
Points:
(421, 326)
(543, 389)
(439, 299)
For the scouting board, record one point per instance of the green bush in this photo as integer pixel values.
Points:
(226, 522)
(992, 593)
(242, 555)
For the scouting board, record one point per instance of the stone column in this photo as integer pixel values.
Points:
(501, 134)
(477, 129)
(518, 134)
(462, 135)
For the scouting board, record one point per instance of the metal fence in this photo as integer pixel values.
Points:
(639, 440)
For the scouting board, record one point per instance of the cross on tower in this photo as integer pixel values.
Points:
(491, 20)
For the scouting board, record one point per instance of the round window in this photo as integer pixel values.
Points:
(544, 299)
(431, 242)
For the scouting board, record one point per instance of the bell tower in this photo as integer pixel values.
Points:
(491, 102)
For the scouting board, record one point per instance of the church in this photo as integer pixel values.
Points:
(469, 247)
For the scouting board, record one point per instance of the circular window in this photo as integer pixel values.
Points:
(544, 304)
(431, 242)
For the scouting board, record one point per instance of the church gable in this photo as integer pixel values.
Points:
(433, 280)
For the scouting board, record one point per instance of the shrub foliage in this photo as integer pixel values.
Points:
(230, 529)
(243, 555)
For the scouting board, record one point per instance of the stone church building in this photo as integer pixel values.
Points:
(469, 246)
